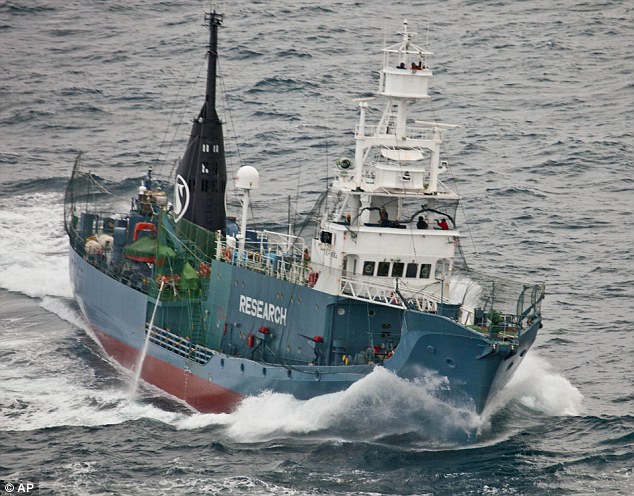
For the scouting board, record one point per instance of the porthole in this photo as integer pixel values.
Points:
(222, 362)
(431, 349)
(341, 311)
(242, 368)
(508, 367)
(450, 363)
(263, 370)
(522, 353)
(371, 312)
(289, 374)
(317, 375)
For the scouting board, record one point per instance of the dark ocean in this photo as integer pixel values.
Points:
(544, 91)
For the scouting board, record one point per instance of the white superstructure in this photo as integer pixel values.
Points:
(387, 227)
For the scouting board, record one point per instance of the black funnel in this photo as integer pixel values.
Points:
(201, 178)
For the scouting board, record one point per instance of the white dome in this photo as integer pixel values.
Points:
(247, 178)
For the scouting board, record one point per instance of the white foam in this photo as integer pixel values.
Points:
(42, 392)
(463, 289)
(62, 309)
(60, 401)
(44, 386)
(382, 404)
(378, 405)
(537, 386)
(34, 249)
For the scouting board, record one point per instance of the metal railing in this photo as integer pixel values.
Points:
(412, 132)
(387, 295)
(276, 255)
(179, 345)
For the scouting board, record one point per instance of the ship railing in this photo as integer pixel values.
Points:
(388, 295)
(182, 346)
(412, 132)
(501, 307)
(281, 258)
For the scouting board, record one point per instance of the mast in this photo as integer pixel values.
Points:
(201, 178)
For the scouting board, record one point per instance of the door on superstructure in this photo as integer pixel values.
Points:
(350, 263)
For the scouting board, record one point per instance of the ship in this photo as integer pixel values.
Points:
(212, 310)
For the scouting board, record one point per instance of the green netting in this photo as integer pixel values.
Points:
(190, 280)
(188, 239)
(181, 249)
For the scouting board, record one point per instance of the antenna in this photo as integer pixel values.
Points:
(427, 35)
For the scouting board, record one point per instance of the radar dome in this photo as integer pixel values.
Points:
(247, 178)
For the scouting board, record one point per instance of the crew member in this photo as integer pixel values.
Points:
(443, 224)
(385, 221)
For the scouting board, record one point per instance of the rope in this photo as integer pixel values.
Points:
(444, 150)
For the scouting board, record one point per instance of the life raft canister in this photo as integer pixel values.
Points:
(250, 340)
(312, 278)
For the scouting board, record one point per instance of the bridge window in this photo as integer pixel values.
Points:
(412, 270)
(384, 269)
(397, 269)
(425, 270)
(368, 268)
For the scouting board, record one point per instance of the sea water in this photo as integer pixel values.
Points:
(544, 162)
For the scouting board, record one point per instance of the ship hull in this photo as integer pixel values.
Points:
(430, 345)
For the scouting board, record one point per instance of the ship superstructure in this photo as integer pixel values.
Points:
(394, 220)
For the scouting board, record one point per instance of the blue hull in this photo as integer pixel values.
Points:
(225, 373)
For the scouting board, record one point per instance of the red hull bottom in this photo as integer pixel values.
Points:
(203, 395)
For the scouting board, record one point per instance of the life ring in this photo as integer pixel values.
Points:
(204, 270)
(312, 278)
(143, 226)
